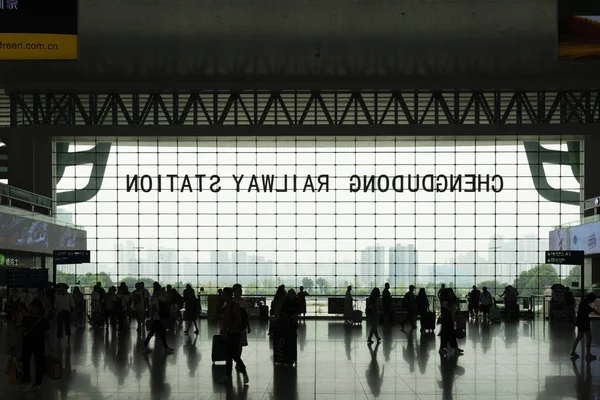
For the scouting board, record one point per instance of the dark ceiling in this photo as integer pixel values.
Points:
(154, 45)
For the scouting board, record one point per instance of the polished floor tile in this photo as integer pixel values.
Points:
(512, 360)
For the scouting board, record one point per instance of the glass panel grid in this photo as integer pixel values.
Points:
(220, 226)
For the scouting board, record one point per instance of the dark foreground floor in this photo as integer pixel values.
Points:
(524, 360)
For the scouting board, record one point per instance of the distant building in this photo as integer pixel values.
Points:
(402, 265)
(372, 266)
(127, 258)
(511, 257)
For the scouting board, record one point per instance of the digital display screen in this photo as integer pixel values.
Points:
(71, 257)
(25, 234)
(579, 30)
(584, 237)
(38, 29)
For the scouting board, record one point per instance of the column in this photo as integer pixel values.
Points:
(591, 188)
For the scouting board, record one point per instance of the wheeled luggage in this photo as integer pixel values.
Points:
(285, 348)
(53, 367)
(219, 348)
(461, 322)
(428, 321)
(97, 319)
(495, 315)
(263, 313)
(357, 317)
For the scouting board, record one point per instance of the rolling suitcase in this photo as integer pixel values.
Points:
(495, 315)
(97, 319)
(263, 313)
(285, 348)
(219, 348)
(428, 321)
(357, 317)
(461, 322)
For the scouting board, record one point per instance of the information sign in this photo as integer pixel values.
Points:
(574, 257)
(71, 257)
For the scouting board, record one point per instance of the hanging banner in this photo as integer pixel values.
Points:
(38, 30)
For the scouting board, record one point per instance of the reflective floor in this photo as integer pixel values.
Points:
(523, 360)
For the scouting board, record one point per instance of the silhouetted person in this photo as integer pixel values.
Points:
(486, 302)
(511, 304)
(231, 329)
(348, 306)
(440, 293)
(388, 303)
(448, 332)
(422, 304)
(302, 302)
(63, 309)
(34, 326)
(584, 326)
(410, 306)
(158, 304)
(376, 306)
(191, 309)
(244, 315)
(473, 299)
(374, 378)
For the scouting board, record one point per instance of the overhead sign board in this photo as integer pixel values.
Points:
(38, 30)
(24, 277)
(565, 257)
(584, 237)
(71, 257)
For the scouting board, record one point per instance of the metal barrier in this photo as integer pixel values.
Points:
(316, 305)
(15, 197)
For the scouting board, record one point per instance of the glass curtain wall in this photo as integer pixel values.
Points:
(321, 212)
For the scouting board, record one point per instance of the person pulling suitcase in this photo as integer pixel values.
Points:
(285, 338)
(231, 328)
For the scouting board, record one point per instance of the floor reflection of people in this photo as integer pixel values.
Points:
(348, 341)
(388, 342)
(511, 332)
(158, 374)
(373, 375)
(426, 343)
(584, 381)
(408, 352)
(192, 355)
(302, 334)
(474, 335)
(486, 337)
(449, 370)
(285, 383)
(122, 366)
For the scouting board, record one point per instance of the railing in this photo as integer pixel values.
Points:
(316, 305)
(15, 197)
(582, 221)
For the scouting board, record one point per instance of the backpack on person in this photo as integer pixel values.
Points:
(244, 319)
(177, 299)
(407, 301)
(163, 309)
(137, 298)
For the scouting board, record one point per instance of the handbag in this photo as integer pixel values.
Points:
(460, 333)
(53, 367)
(13, 369)
(244, 338)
